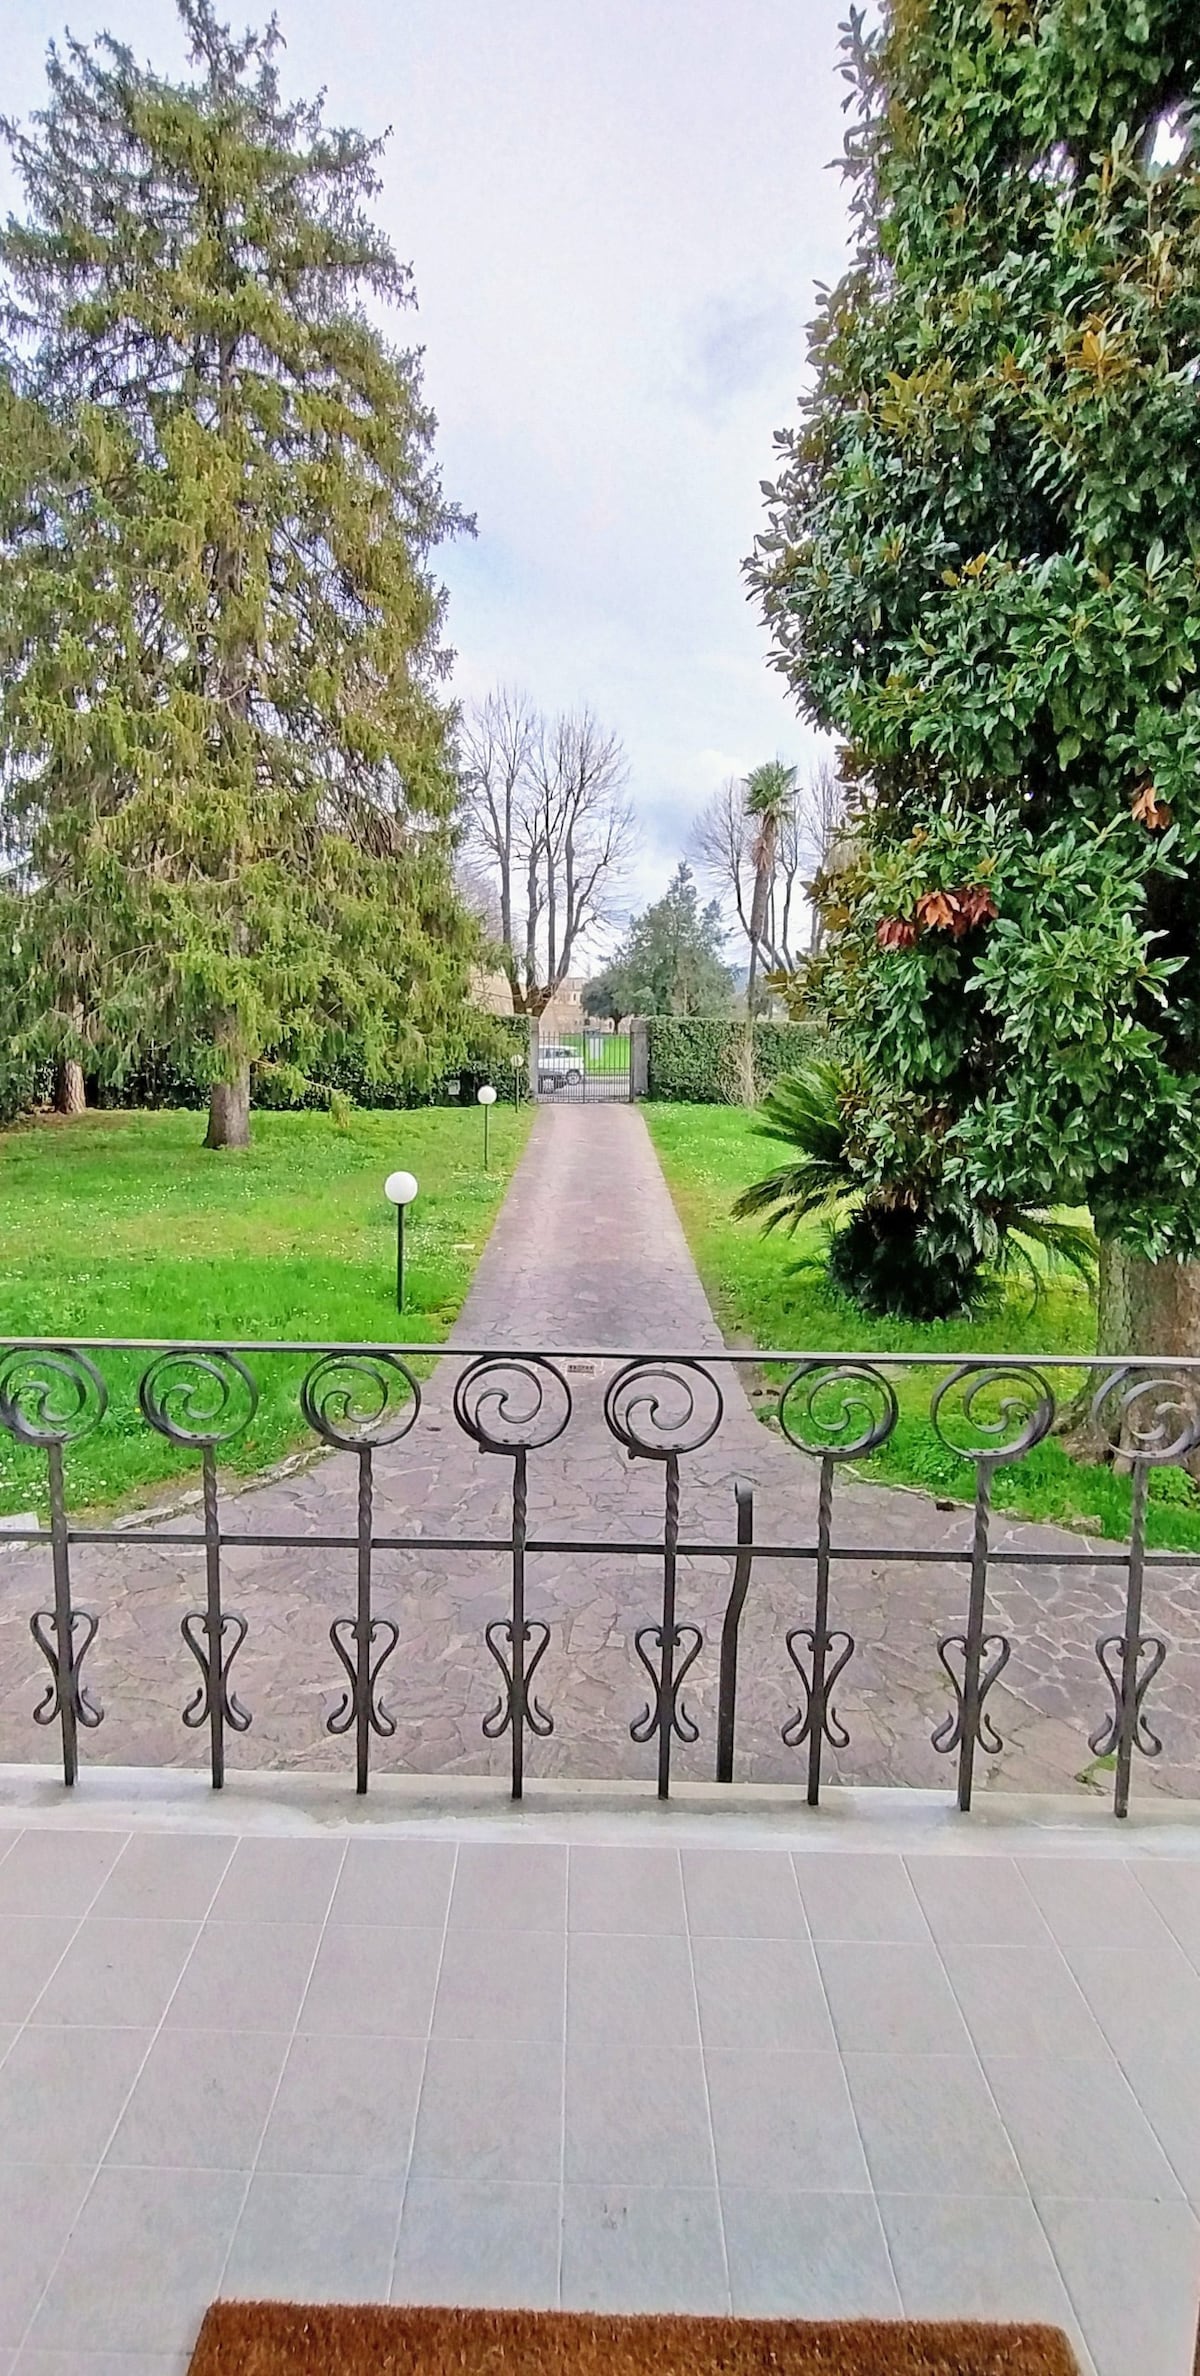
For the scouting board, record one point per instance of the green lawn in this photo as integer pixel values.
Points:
(769, 1291)
(122, 1225)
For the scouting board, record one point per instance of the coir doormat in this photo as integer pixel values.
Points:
(288, 2339)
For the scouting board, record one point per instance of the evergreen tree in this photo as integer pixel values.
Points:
(982, 569)
(227, 802)
(669, 962)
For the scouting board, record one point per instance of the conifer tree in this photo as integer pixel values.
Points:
(227, 801)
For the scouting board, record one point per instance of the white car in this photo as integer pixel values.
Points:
(557, 1064)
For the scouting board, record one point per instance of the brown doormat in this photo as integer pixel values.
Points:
(286, 2339)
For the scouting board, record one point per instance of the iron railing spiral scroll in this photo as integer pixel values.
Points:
(667, 1410)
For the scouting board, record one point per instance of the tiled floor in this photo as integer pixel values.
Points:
(423, 2060)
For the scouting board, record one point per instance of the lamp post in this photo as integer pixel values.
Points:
(487, 1099)
(400, 1187)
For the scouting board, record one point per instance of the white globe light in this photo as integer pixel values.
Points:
(487, 1096)
(400, 1188)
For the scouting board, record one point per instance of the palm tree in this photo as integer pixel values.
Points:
(769, 792)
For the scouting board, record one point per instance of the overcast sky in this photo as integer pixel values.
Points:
(616, 211)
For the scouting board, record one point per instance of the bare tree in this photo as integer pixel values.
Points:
(725, 841)
(547, 815)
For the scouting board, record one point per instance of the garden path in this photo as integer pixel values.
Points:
(588, 1251)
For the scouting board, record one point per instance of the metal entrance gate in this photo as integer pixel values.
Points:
(587, 1067)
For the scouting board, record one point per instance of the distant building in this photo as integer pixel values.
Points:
(563, 1015)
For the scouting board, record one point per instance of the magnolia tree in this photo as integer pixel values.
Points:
(982, 571)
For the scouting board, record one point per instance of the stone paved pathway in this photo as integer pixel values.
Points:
(588, 1251)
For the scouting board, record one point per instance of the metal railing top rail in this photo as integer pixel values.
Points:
(989, 1410)
(1159, 1363)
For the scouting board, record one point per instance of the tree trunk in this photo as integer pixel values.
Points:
(229, 1111)
(70, 1095)
(1146, 1308)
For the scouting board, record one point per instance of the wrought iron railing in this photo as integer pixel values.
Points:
(664, 1408)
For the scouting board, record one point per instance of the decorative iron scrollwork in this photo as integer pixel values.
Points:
(665, 1713)
(208, 1647)
(953, 1729)
(201, 1397)
(345, 1633)
(1111, 1650)
(64, 1691)
(498, 1635)
(660, 1408)
(1149, 1415)
(798, 1728)
(356, 1400)
(50, 1395)
(992, 1410)
(509, 1402)
(839, 1410)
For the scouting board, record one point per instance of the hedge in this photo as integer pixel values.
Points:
(161, 1080)
(697, 1061)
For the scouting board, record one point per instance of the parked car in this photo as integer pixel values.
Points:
(557, 1064)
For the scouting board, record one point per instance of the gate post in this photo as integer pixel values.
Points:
(639, 1057)
(535, 1040)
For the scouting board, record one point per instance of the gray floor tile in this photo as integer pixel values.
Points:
(761, 1992)
(102, 2363)
(489, 2112)
(1131, 2270)
(32, 1946)
(1138, 1998)
(37, 2208)
(957, 2257)
(859, 1897)
(201, 2102)
(118, 1973)
(637, 2115)
(272, 1880)
(1077, 2129)
(1173, 1888)
(309, 2238)
(625, 1889)
(404, 1884)
(508, 1885)
(345, 2104)
(929, 2125)
(890, 1999)
(144, 2261)
(373, 1981)
(784, 2119)
(244, 1975)
(651, 2248)
(83, 2362)
(806, 2255)
(1093, 1902)
(979, 1901)
(1167, 2087)
(732, 1895)
(61, 2091)
(1023, 2000)
(632, 1988)
(482, 2247)
(56, 1872)
(166, 1876)
(501, 1984)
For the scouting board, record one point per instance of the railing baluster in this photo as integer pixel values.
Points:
(515, 1404)
(727, 1686)
(51, 1396)
(659, 1409)
(1152, 1420)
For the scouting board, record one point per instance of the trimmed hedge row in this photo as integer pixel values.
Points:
(159, 1080)
(697, 1060)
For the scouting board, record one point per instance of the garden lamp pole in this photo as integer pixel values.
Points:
(487, 1099)
(400, 1187)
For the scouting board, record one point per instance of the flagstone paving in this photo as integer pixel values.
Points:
(588, 1253)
